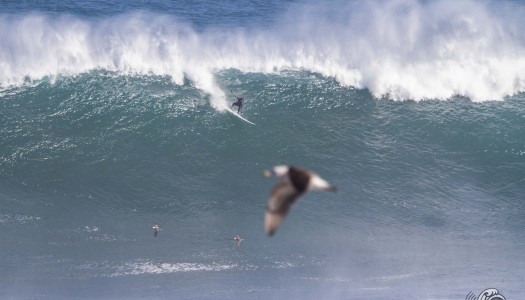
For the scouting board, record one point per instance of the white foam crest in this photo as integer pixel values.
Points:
(405, 49)
(402, 49)
(36, 46)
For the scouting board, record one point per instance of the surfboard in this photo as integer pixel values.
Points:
(238, 116)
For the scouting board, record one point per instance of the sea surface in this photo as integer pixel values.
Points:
(112, 119)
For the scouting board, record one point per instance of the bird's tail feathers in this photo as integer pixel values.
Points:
(330, 189)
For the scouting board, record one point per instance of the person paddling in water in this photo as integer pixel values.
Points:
(239, 103)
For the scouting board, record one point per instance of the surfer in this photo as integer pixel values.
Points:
(239, 103)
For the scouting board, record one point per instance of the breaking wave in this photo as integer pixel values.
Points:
(403, 49)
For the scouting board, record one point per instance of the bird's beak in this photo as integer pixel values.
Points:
(267, 173)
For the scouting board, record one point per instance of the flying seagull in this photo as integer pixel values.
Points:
(294, 183)
(239, 240)
(156, 229)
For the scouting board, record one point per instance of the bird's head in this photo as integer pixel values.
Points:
(277, 171)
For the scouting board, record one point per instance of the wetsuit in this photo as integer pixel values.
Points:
(239, 104)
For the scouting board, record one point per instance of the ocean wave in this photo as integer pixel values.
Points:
(403, 49)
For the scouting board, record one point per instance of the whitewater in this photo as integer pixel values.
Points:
(396, 49)
(113, 119)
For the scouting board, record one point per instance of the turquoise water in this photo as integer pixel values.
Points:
(112, 121)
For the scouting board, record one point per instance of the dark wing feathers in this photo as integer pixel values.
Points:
(299, 178)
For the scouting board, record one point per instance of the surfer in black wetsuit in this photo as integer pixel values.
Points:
(239, 103)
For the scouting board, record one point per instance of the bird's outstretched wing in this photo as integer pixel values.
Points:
(281, 200)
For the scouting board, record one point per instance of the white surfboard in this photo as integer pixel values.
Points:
(239, 116)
